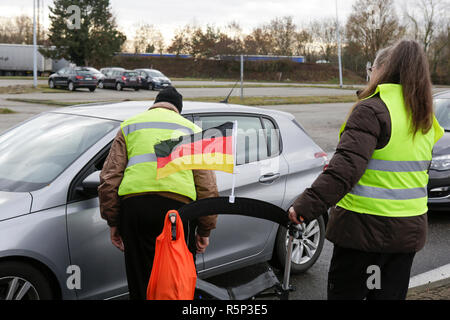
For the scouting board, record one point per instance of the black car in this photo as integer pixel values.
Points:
(107, 71)
(73, 78)
(100, 76)
(153, 79)
(118, 78)
(439, 184)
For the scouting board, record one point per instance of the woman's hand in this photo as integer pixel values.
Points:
(294, 217)
(116, 239)
(201, 243)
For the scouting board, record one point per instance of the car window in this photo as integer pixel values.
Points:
(251, 140)
(442, 110)
(154, 73)
(130, 74)
(33, 154)
(273, 138)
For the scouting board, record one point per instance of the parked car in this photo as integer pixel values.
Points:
(100, 76)
(50, 224)
(153, 79)
(105, 71)
(73, 78)
(439, 183)
(118, 78)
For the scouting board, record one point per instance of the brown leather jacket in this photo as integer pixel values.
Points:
(113, 171)
(368, 128)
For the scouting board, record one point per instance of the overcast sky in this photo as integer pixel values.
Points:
(168, 15)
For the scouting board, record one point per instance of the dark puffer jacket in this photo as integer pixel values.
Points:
(368, 128)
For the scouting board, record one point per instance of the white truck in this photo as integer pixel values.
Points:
(17, 60)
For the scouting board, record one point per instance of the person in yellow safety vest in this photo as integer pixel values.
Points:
(376, 183)
(135, 204)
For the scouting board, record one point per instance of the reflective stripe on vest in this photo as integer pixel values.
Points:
(395, 181)
(155, 125)
(141, 133)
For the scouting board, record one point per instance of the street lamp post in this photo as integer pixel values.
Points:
(338, 31)
(34, 46)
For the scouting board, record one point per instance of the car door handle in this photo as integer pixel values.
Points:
(268, 178)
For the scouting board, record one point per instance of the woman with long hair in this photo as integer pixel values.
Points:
(376, 182)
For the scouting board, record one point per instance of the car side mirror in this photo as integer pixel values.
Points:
(91, 183)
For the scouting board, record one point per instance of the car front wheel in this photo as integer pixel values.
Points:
(306, 250)
(21, 281)
(51, 84)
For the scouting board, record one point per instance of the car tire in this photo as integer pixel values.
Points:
(152, 86)
(100, 85)
(92, 89)
(136, 89)
(305, 251)
(51, 84)
(71, 86)
(119, 86)
(22, 281)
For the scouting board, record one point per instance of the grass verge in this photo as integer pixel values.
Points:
(20, 89)
(6, 111)
(271, 101)
(52, 102)
(248, 101)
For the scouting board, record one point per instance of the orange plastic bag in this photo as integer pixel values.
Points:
(173, 274)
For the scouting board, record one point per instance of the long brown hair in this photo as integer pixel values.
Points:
(406, 63)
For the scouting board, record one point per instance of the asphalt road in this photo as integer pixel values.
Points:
(322, 122)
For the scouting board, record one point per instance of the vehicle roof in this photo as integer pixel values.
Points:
(443, 95)
(147, 69)
(124, 110)
(120, 68)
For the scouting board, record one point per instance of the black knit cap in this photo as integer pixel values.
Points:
(171, 95)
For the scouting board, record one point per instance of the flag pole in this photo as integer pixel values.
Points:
(235, 128)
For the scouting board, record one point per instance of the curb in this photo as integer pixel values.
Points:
(430, 280)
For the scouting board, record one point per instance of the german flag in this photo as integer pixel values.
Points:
(208, 150)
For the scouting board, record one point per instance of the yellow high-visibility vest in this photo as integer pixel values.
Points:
(395, 181)
(141, 134)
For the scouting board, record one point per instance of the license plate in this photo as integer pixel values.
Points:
(132, 79)
(165, 84)
(88, 79)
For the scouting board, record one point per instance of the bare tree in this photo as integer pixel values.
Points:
(19, 30)
(282, 35)
(148, 39)
(324, 34)
(373, 25)
(425, 19)
(181, 42)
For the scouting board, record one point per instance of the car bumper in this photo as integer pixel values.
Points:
(85, 84)
(131, 85)
(162, 85)
(439, 190)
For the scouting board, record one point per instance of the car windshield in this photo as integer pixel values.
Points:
(83, 71)
(33, 154)
(442, 110)
(154, 73)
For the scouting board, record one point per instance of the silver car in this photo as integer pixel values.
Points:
(53, 242)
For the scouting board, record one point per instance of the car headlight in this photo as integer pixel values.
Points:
(441, 163)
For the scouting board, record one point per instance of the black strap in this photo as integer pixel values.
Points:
(241, 206)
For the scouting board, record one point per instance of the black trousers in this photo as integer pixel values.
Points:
(358, 275)
(141, 222)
